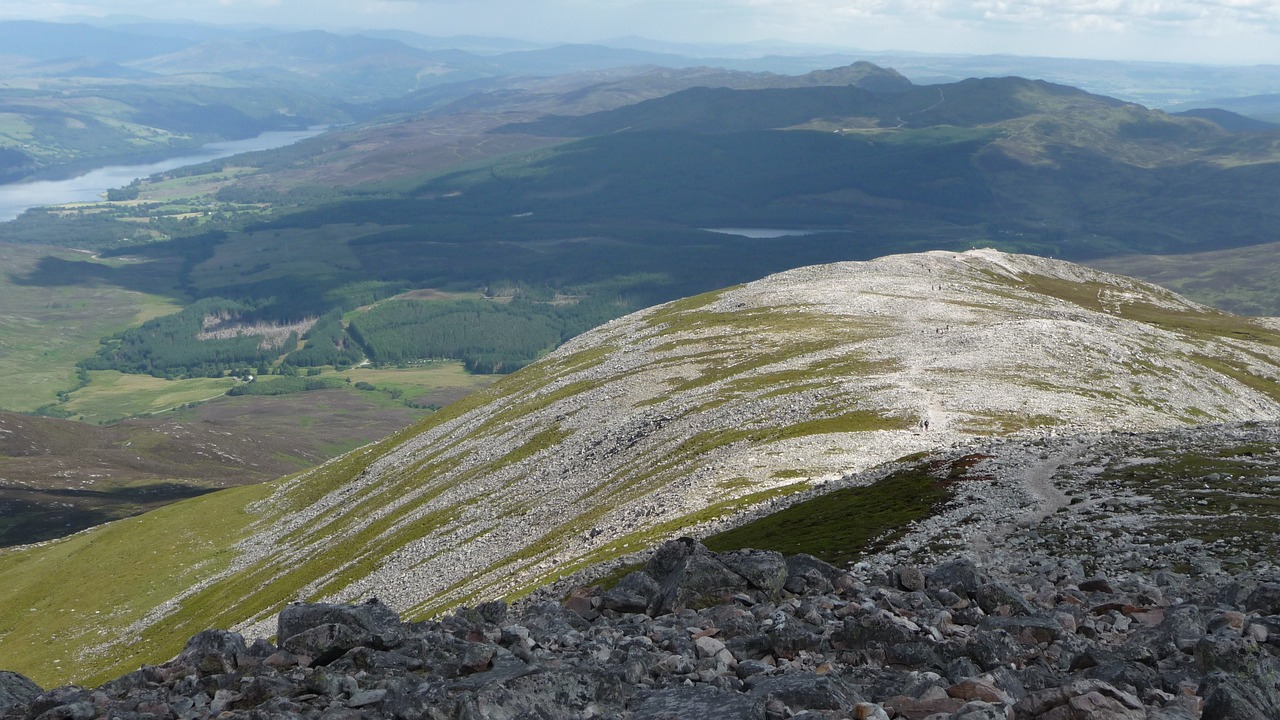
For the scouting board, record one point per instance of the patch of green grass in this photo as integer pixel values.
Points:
(522, 408)
(732, 324)
(1224, 496)
(111, 395)
(672, 311)
(1002, 423)
(722, 368)
(544, 440)
(1236, 371)
(840, 526)
(643, 475)
(1209, 324)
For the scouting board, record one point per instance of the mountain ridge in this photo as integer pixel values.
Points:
(834, 96)
(669, 421)
(886, 425)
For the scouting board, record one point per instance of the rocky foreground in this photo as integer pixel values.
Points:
(746, 634)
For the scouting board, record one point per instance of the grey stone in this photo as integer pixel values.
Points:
(1082, 700)
(698, 703)
(993, 595)
(82, 710)
(1234, 698)
(16, 690)
(911, 578)
(1096, 584)
(366, 697)
(959, 576)
(1030, 630)
(806, 691)
(325, 643)
(1184, 626)
(705, 581)
(980, 710)
(765, 570)
(378, 625)
(993, 649)
(214, 651)
(1264, 599)
(876, 626)
(633, 594)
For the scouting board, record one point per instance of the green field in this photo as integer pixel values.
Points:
(112, 396)
(45, 328)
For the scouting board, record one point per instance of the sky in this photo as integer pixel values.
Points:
(1198, 31)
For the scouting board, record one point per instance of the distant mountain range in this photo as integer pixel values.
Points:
(259, 79)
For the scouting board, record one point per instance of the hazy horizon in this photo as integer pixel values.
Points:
(1240, 32)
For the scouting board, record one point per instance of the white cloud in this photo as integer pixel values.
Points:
(1214, 30)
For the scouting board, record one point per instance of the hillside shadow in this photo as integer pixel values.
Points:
(31, 515)
(154, 277)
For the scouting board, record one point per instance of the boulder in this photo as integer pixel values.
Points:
(911, 578)
(16, 690)
(960, 576)
(634, 593)
(698, 703)
(1228, 697)
(1082, 700)
(214, 651)
(764, 570)
(1264, 599)
(683, 573)
(1029, 630)
(323, 628)
(1184, 626)
(806, 691)
(998, 595)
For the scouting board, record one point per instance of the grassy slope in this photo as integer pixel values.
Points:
(110, 577)
(124, 568)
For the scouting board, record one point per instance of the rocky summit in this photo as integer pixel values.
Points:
(694, 417)
(679, 416)
(745, 635)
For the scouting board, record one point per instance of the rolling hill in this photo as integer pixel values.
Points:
(670, 421)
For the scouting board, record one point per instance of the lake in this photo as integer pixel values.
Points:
(17, 197)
